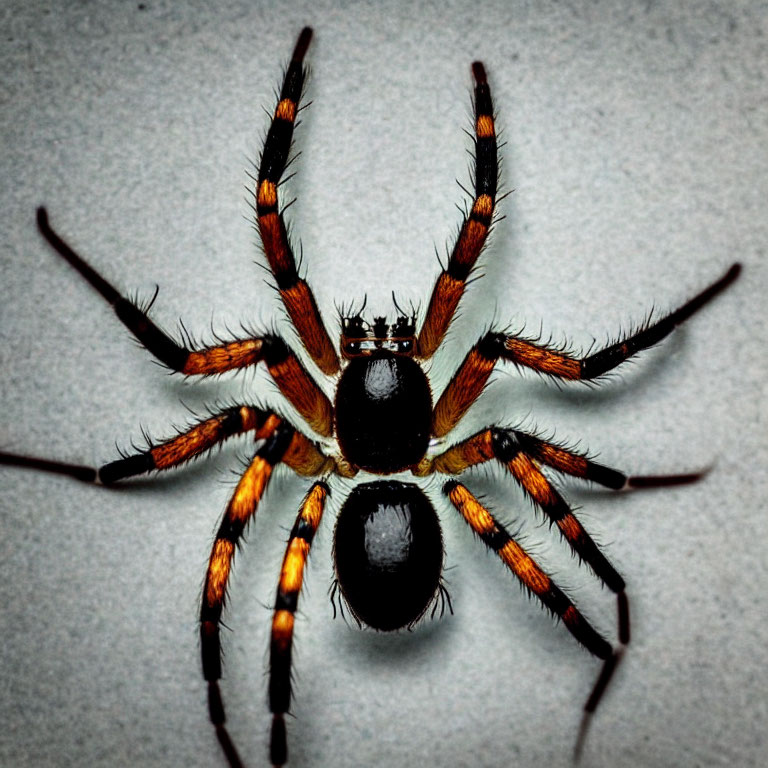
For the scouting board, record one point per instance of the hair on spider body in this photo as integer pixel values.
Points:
(388, 545)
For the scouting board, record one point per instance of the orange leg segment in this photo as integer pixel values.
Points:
(195, 441)
(291, 377)
(473, 373)
(241, 508)
(294, 291)
(538, 583)
(474, 230)
(509, 448)
(286, 602)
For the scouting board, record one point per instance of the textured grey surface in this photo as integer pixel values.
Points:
(636, 138)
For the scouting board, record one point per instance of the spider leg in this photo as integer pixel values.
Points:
(474, 230)
(294, 291)
(191, 443)
(478, 448)
(304, 456)
(504, 446)
(521, 453)
(498, 539)
(546, 497)
(78, 471)
(283, 365)
(241, 508)
(472, 375)
(289, 587)
(546, 361)
(572, 463)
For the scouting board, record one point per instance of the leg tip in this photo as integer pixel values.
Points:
(478, 72)
(278, 748)
(233, 758)
(733, 272)
(641, 482)
(41, 214)
(305, 38)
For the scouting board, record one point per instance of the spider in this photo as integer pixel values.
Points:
(388, 548)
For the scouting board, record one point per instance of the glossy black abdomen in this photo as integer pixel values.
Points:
(388, 551)
(383, 412)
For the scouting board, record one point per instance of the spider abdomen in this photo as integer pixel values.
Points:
(388, 553)
(383, 412)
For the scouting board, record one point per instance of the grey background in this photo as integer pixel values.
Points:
(636, 137)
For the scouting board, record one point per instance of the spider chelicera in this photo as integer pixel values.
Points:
(388, 549)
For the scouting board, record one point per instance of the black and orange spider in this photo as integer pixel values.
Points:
(388, 549)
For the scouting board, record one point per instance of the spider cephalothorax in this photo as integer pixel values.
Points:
(383, 412)
(388, 548)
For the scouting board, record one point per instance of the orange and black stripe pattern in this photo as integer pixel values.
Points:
(570, 463)
(480, 448)
(565, 366)
(514, 450)
(466, 385)
(291, 377)
(241, 508)
(496, 538)
(474, 230)
(196, 440)
(293, 380)
(299, 387)
(508, 450)
(302, 455)
(472, 375)
(289, 374)
(294, 291)
(288, 589)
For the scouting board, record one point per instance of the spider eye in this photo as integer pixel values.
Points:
(352, 348)
(405, 347)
